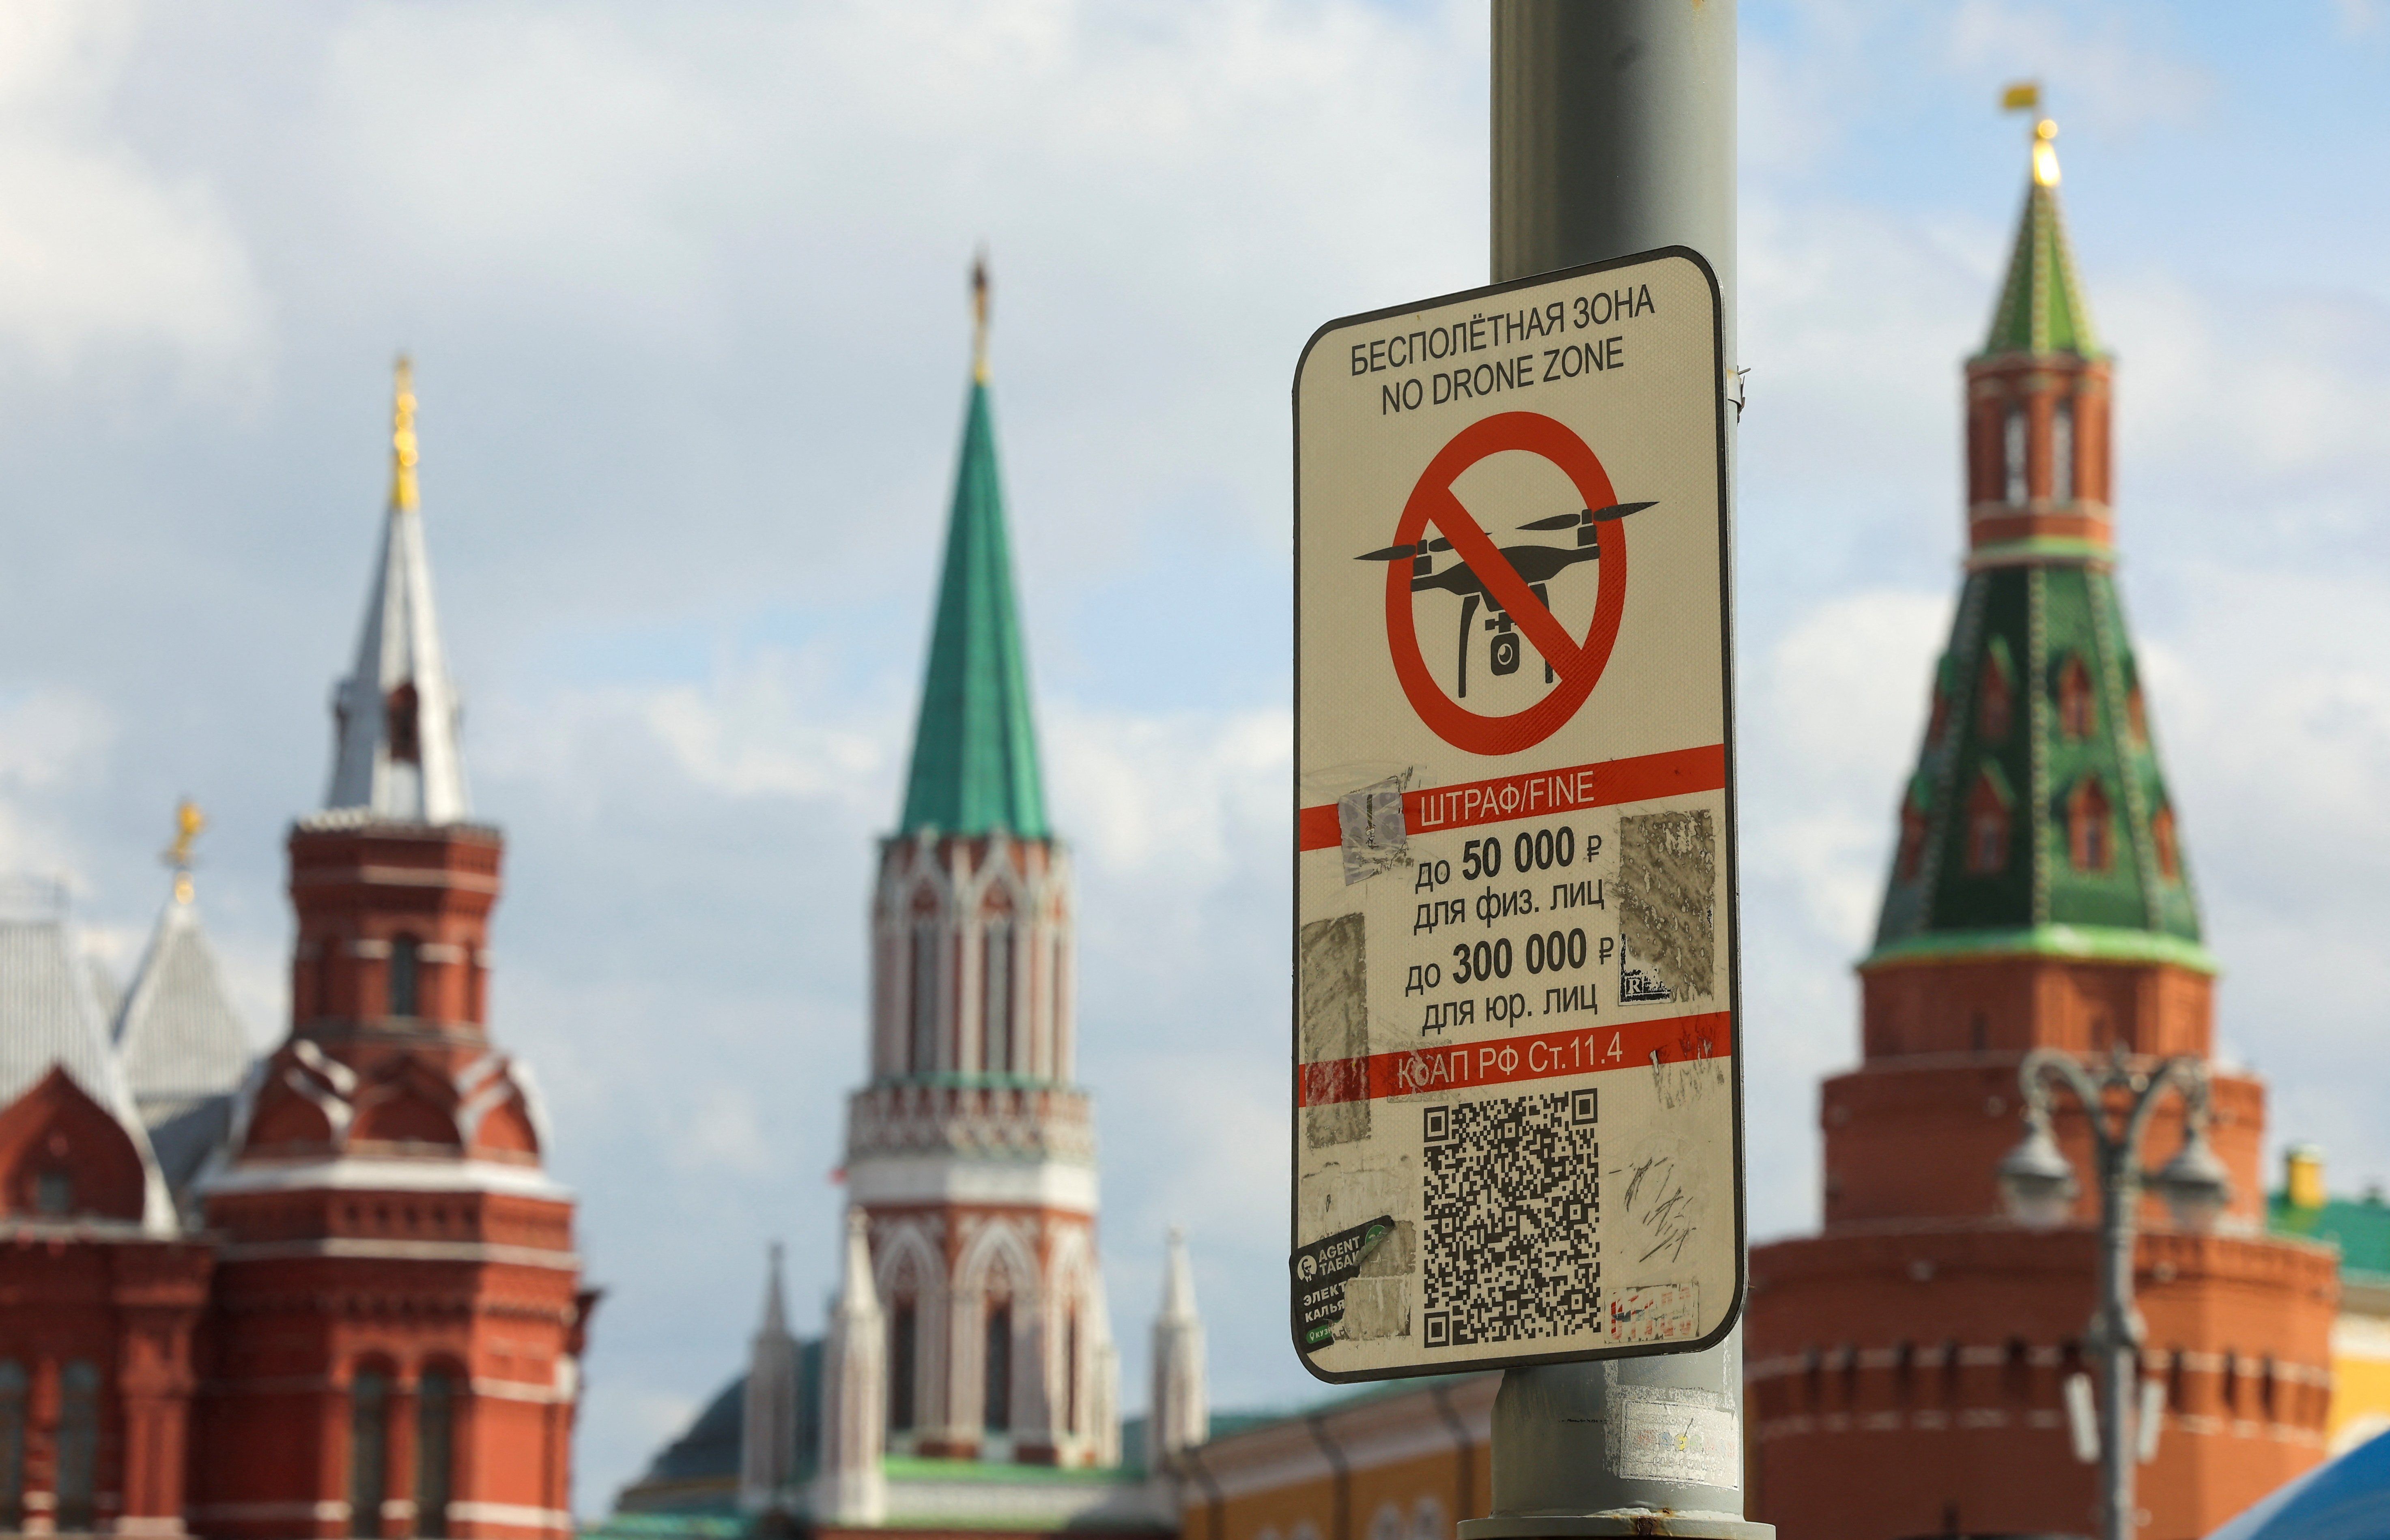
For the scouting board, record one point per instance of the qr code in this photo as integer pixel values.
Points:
(1512, 1195)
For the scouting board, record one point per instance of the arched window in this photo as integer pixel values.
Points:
(78, 1466)
(995, 995)
(12, 1444)
(1987, 825)
(435, 1450)
(1813, 1379)
(903, 1357)
(405, 977)
(995, 1407)
(924, 1036)
(2090, 832)
(1429, 1522)
(1904, 1373)
(2175, 1399)
(1911, 859)
(2016, 1370)
(368, 1449)
(53, 1192)
(1995, 697)
(1950, 1367)
(1386, 1523)
(2162, 836)
(2012, 455)
(2077, 708)
(2062, 453)
(399, 714)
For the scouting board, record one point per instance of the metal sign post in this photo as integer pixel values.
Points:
(1517, 1068)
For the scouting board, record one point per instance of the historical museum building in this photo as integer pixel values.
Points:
(1909, 1365)
(965, 1376)
(330, 1291)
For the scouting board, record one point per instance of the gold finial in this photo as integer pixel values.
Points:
(403, 493)
(2026, 96)
(2045, 153)
(188, 821)
(978, 316)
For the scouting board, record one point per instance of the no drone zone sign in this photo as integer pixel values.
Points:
(1517, 1090)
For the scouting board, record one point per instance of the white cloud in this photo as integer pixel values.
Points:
(101, 253)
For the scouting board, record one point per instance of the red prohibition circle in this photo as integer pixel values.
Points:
(1576, 666)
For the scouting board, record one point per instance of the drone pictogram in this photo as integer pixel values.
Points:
(1535, 564)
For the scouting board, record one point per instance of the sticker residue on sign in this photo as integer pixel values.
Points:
(1667, 883)
(1332, 963)
(1370, 824)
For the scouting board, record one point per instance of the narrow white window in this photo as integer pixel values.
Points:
(925, 998)
(2012, 449)
(995, 983)
(2062, 454)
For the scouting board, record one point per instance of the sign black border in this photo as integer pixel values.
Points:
(1733, 827)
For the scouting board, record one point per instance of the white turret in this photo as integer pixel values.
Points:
(849, 1487)
(395, 754)
(768, 1454)
(1182, 1411)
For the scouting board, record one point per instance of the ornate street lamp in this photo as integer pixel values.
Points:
(2039, 1186)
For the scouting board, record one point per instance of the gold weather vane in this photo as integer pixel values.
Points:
(188, 821)
(403, 493)
(2026, 96)
(978, 316)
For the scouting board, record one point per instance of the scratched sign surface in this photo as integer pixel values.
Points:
(1517, 1090)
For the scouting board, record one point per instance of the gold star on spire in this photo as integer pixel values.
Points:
(978, 316)
(189, 822)
(403, 493)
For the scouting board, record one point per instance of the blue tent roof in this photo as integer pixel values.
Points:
(2348, 1499)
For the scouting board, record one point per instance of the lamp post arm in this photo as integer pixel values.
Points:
(2188, 1077)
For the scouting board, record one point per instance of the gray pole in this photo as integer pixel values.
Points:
(1613, 133)
(2116, 1329)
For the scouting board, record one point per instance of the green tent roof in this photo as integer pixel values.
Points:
(2041, 307)
(975, 748)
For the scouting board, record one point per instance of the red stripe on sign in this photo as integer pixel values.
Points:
(1538, 794)
(1580, 1051)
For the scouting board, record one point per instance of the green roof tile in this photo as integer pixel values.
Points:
(2360, 1228)
(975, 748)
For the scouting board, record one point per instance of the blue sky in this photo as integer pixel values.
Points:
(686, 291)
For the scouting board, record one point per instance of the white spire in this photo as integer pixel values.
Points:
(394, 751)
(768, 1454)
(1182, 1410)
(851, 1487)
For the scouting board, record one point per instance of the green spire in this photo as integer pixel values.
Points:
(2041, 307)
(975, 748)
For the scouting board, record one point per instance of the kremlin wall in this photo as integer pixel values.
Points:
(331, 1290)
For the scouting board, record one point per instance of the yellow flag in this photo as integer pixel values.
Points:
(2024, 97)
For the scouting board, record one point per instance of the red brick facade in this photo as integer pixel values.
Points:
(397, 1312)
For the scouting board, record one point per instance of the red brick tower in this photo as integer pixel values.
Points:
(397, 1313)
(1907, 1364)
